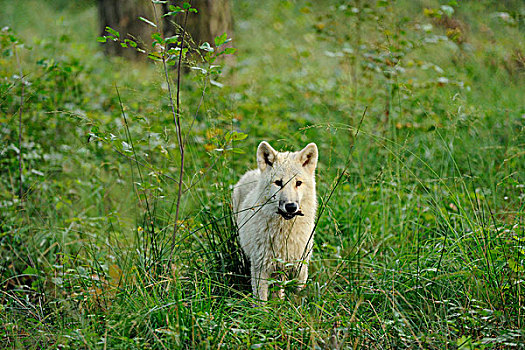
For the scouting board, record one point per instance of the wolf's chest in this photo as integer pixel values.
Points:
(286, 244)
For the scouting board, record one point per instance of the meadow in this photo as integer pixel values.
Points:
(418, 110)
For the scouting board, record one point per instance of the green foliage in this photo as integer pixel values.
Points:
(420, 244)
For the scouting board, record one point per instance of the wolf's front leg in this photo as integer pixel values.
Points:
(260, 283)
(302, 276)
(280, 278)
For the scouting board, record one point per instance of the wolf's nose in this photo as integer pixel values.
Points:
(290, 207)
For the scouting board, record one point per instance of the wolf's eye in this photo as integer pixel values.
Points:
(279, 183)
(298, 183)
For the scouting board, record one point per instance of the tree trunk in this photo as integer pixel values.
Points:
(214, 18)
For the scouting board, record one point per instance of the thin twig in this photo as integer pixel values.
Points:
(21, 191)
(196, 112)
(176, 117)
(176, 120)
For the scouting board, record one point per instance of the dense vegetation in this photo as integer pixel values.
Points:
(418, 110)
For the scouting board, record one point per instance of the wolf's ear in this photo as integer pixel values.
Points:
(308, 157)
(265, 155)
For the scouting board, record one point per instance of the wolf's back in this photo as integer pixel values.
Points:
(248, 182)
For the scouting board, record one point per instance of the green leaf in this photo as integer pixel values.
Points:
(130, 42)
(229, 50)
(102, 39)
(30, 271)
(148, 21)
(221, 39)
(113, 32)
(216, 83)
(200, 69)
(186, 5)
(206, 47)
(172, 39)
(175, 12)
(447, 10)
(154, 56)
(157, 39)
(238, 136)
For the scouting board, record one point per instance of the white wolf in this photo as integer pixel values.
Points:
(275, 207)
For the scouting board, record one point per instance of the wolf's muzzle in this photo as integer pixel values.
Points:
(288, 216)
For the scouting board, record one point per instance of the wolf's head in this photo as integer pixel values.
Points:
(288, 179)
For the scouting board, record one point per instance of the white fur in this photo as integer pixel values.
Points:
(270, 242)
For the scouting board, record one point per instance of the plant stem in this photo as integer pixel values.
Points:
(21, 191)
(176, 118)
